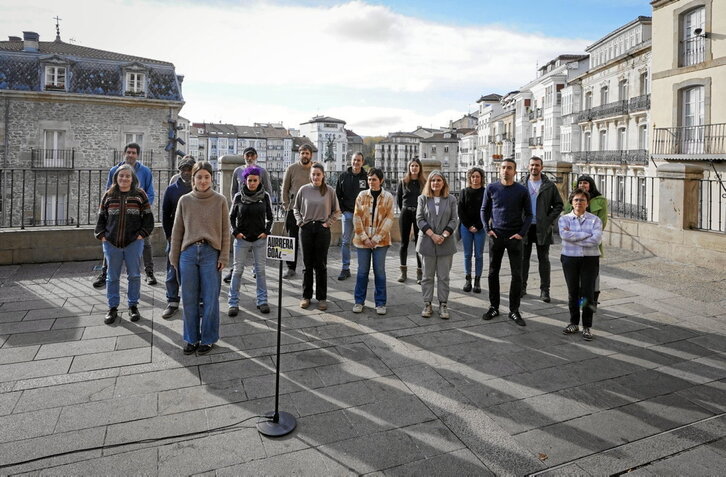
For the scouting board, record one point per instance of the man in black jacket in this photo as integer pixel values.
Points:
(546, 208)
(350, 183)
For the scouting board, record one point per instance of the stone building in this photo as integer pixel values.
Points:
(394, 152)
(489, 107)
(331, 140)
(68, 110)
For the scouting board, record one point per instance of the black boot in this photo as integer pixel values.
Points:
(597, 296)
(477, 284)
(467, 285)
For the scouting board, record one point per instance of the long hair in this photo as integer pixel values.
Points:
(323, 186)
(427, 188)
(407, 177)
(114, 189)
(207, 166)
(472, 171)
(593, 188)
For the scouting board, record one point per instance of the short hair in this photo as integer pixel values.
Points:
(537, 158)
(578, 191)
(251, 171)
(133, 145)
(358, 153)
(305, 147)
(472, 171)
(427, 188)
(374, 171)
(509, 159)
(206, 165)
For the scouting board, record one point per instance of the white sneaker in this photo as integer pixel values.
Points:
(381, 310)
(443, 311)
(427, 310)
(358, 308)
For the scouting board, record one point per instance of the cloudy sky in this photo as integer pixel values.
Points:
(379, 65)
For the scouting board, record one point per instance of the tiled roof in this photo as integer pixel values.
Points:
(324, 119)
(69, 49)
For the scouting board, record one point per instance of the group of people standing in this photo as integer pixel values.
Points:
(199, 228)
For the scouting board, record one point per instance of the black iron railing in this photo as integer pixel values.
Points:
(52, 158)
(693, 51)
(629, 197)
(706, 139)
(632, 157)
(712, 205)
(616, 108)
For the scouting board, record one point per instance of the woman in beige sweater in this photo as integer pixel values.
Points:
(200, 244)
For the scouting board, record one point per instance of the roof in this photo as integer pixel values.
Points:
(324, 119)
(439, 137)
(299, 141)
(492, 97)
(352, 136)
(58, 47)
(640, 19)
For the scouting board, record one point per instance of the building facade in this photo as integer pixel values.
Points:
(394, 152)
(489, 107)
(329, 136)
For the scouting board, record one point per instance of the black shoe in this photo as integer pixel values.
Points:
(491, 313)
(467, 284)
(344, 274)
(111, 316)
(545, 296)
(100, 280)
(134, 314)
(150, 278)
(264, 308)
(169, 311)
(289, 273)
(228, 277)
(204, 349)
(517, 318)
(477, 285)
(189, 348)
(233, 311)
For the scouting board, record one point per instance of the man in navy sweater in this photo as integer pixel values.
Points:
(183, 185)
(506, 213)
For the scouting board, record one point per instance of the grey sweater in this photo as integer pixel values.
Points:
(310, 206)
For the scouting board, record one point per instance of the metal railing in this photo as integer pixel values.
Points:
(616, 108)
(693, 51)
(52, 158)
(146, 157)
(705, 139)
(712, 205)
(632, 157)
(629, 197)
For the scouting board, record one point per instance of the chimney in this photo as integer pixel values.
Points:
(30, 41)
(15, 38)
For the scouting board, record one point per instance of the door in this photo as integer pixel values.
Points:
(692, 107)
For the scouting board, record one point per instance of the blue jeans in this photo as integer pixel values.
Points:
(241, 252)
(115, 258)
(378, 255)
(476, 241)
(172, 284)
(200, 282)
(347, 224)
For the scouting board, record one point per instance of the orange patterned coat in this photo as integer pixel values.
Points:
(366, 226)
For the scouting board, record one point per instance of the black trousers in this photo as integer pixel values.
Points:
(543, 258)
(580, 275)
(315, 243)
(497, 246)
(405, 222)
(292, 231)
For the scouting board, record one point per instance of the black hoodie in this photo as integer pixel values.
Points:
(348, 188)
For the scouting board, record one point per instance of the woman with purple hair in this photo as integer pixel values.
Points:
(251, 219)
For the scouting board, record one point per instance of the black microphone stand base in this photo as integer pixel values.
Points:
(284, 425)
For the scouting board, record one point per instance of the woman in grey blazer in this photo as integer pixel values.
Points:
(437, 219)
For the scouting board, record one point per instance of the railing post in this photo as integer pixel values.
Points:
(679, 193)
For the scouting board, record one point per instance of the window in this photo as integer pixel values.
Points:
(622, 139)
(643, 137)
(53, 143)
(623, 90)
(134, 83)
(586, 142)
(138, 138)
(446, 148)
(433, 149)
(644, 84)
(588, 100)
(604, 95)
(692, 38)
(692, 119)
(53, 209)
(55, 78)
(604, 140)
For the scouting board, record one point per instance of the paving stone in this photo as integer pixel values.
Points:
(309, 359)
(144, 383)
(141, 462)
(105, 331)
(312, 462)
(324, 428)
(461, 463)
(314, 401)
(210, 453)
(666, 412)
(31, 304)
(237, 369)
(290, 381)
(43, 337)
(699, 461)
(79, 321)
(17, 355)
(12, 316)
(65, 394)
(392, 412)
(156, 427)
(75, 348)
(110, 359)
(710, 396)
(25, 326)
(27, 425)
(109, 411)
(200, 397)
(8, 401)
(25, 370)
(538, 411)
(348, 371)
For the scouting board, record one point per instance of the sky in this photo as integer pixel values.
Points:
(381, 66)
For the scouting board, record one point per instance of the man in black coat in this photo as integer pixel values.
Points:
(350, 183)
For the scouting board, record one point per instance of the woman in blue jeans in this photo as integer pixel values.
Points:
(251, 219)
(471, 229)
(124, 220)
(372, 221)
(200, 243)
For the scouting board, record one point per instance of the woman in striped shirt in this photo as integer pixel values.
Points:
(581, 233)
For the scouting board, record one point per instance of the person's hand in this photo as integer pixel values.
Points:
(492, 234)
(326, 225)
(239, 236)
(370, 243)
(139, 237)
(103, 239)
(263, 235)
(473, 229)
(516, 237)
(220, 266)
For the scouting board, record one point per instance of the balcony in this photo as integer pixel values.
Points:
(52, 158)
(691, 142)
(531, 142)
(616, 108)
(145, 157)
(490, 139)
(693, 51)
(640, 103)
(634, 157)
(535, 114)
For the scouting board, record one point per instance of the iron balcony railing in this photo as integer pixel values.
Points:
(531, 141)
(693, 51)
(616, 108)
(712, 205)
(145, 157)
(629, 197)
(622, 157)
(52, 158)
(687, 140)
(639, 103)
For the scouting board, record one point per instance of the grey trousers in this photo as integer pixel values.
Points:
(441, 267)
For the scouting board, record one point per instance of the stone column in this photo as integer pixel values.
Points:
(430, 165)
(227, 165)
(561, 174)
(678, 191)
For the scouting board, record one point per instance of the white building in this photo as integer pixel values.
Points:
(489, 107)
(467, 151)
(394, 152)
(329, 137)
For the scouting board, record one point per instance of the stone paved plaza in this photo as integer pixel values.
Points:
(382, 395)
